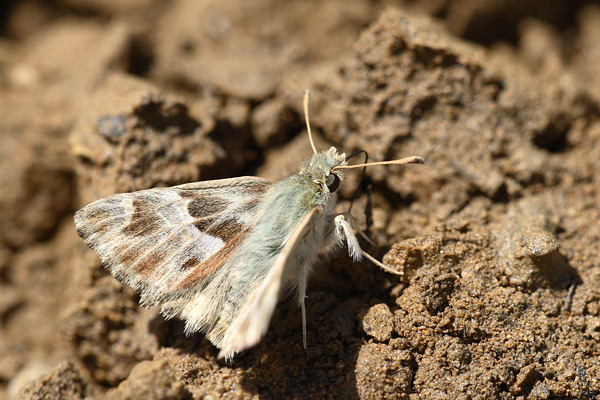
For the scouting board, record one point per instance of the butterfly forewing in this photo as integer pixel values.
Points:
(166, 241)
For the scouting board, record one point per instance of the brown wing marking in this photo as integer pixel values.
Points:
(202, 269)
(145, 218)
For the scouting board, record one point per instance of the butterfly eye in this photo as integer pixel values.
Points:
(332, 182)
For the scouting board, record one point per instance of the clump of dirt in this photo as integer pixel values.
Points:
(492, 246)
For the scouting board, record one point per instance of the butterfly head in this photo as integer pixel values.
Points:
(325, 168)
(321, 169)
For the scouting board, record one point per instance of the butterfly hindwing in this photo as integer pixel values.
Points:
(165, 242)
(253, 320)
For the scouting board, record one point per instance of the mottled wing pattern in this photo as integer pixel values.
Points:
(165, 242)
(251, 324)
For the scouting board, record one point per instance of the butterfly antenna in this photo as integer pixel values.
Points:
(306, 99)
(402, 161)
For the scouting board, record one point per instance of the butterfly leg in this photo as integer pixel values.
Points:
(344, 230)
(302, 300)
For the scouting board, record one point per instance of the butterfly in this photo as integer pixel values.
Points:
(217, 254)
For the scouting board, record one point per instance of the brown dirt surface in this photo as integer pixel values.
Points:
(493, 244)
